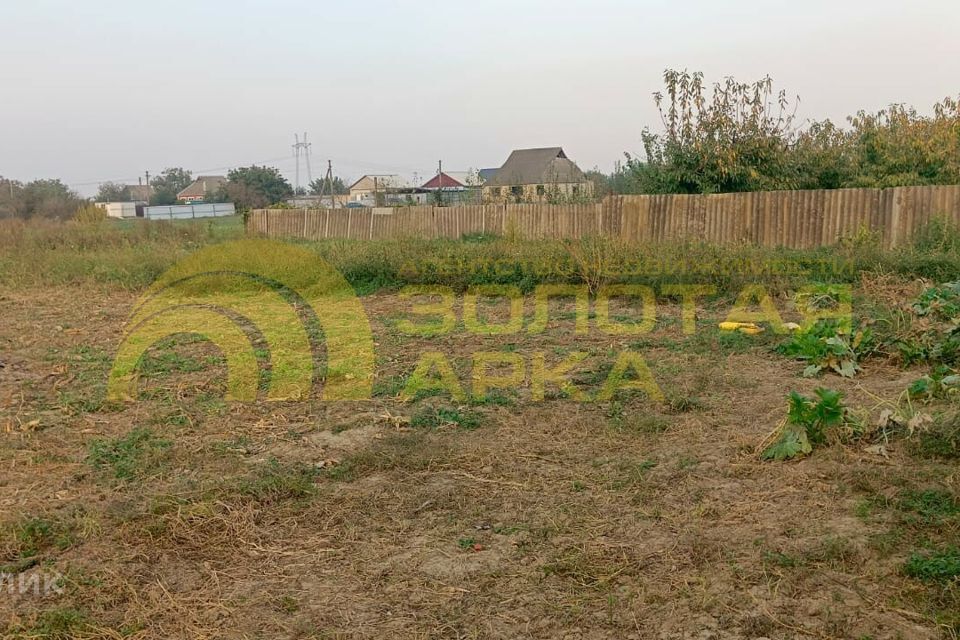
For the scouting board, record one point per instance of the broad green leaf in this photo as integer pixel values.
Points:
(792, 442)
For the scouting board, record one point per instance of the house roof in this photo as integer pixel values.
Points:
(202, 186)
(536, 166)
(486, 174)
(384, 181)
(446, 180)
(139, 192)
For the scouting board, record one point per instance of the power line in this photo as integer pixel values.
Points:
(197, 171)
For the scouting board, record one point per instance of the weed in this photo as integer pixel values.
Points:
(411, 452)
(633, 421)
(807, 424)
(434, 418)
(631, 472)
(57, 624)
(34, 535)
(934, 334)
(942, 382)
(389, 387)
(826, 345)
(937, 566)
(931, 506)
(242, 445)
(274, 482)
(495, 397)
(941, 440)
(677, 403)
(166, 362)
(779, 559)
(129, 456)
(288, 604)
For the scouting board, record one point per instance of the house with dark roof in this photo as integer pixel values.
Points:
(485, 174)
(199, 189)
(537, 175)
(139, 193)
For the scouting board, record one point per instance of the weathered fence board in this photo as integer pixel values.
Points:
(796, 219)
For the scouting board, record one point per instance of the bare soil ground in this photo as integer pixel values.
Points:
(493, 518)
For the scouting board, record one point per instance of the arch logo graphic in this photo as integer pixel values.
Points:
(244, 294)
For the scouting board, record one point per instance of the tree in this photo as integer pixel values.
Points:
(602, 183)
(49, 199)
(320, 185)
(11, 201)
(112, 192)
(741, 137)
(256, 187)
(168, 184)
(735, 138)
(898, 147)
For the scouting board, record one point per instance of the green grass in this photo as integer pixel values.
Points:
(632, 419)
(131, 254)
(495, 397)
(936, 566)
(130, 456)
(275, 482)
(929, 506)
(409, 452)
(435, 417)
(35, 535)
(166, 362)
(61, 623)
(942, 440)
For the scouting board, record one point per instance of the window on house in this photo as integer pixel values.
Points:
(496, 192)
(541, 190)
(576, 189)
(517, 191)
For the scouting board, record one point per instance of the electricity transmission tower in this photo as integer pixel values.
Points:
(304, 149)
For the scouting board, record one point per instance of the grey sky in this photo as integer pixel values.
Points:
(103, 90)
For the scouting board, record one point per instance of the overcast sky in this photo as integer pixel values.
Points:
(104, 90)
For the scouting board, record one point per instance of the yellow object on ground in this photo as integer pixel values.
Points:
(743, 327)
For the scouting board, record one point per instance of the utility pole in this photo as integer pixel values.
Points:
(329, 182)
(147, 173)
(440, 182)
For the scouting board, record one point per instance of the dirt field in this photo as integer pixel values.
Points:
(185, 516)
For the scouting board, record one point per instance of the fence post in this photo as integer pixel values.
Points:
(894, 216)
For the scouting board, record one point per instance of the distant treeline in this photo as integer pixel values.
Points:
(745, 137)
(247, 187)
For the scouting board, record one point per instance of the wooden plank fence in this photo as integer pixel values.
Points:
(796, 219)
